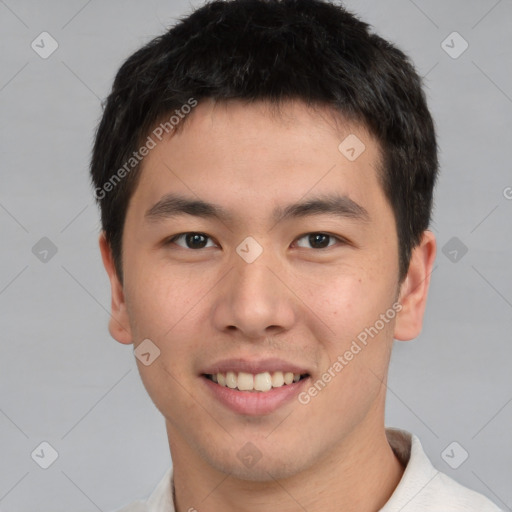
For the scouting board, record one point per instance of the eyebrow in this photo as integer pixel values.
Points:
(173, 205)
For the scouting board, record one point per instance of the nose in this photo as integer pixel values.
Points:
(254, 300)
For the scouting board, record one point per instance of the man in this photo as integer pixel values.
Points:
(265, 172)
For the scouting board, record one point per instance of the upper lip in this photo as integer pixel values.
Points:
(253, 366)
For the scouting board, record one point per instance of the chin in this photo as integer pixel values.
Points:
(261, 472)
(263, 468)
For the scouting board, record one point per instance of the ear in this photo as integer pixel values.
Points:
(414, 289)
(119, 325)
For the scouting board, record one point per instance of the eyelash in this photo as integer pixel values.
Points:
(180, 235)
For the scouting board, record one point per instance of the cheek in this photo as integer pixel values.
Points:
(161, 300)
(163, 308)
(345, 298)
(358, 348)
(351, 308)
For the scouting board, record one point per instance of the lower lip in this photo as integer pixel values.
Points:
(255, 403)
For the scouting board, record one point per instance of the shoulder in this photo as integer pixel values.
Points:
(446, 494)
(136, 506)
(423, 488)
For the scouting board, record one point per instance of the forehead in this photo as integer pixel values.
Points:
(240, 155)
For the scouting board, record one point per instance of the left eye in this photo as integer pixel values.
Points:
(318, 240)
(193, 240)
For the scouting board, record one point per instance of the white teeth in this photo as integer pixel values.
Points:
(245, 381)
(231, 380)
(263, 382)
(288, 377)
(277, 379)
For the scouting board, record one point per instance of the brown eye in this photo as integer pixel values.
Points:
(318, 240)
(192, 240)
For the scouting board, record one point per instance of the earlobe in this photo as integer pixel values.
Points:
(119, 325)
(414, 289)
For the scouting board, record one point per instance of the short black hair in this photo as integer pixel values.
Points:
(314, 51)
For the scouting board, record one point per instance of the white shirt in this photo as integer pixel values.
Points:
(422, 488)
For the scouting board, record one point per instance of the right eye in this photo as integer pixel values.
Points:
(192, 240)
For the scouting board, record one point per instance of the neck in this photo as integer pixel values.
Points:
(359, 475)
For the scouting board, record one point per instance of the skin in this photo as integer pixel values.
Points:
(296, 302)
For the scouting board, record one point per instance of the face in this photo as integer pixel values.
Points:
(254, 248)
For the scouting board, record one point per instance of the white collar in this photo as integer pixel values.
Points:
(421, 488)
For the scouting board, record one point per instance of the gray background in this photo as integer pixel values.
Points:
(63, 380)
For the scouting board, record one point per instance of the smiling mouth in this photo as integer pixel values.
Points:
(260, 382)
